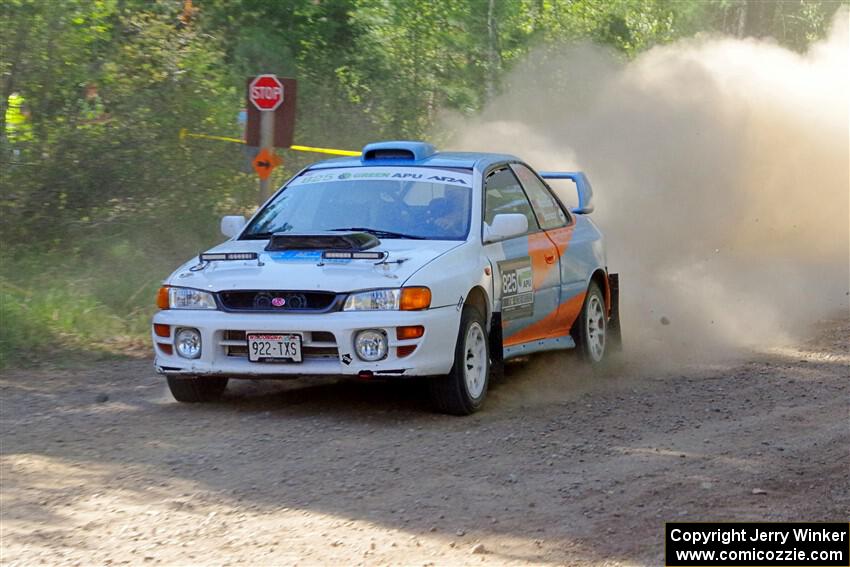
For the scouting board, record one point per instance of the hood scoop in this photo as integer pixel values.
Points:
(342, 241)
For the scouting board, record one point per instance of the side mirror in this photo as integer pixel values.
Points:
(232, 225)
(505, 226)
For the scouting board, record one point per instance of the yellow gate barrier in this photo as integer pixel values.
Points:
(184, 133)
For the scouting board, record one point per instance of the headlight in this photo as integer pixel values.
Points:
(377, 299)
(405, 299)
(184, 298)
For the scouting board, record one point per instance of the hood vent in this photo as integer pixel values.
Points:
(353, 241)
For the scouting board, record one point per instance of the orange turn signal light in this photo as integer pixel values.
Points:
(162, 330)
(162, 297)
(409, 332)
(403, 351)
(415, 298)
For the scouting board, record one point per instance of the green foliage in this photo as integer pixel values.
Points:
(793, 23)
(98, 209)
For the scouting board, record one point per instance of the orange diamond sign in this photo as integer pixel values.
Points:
(265, 162)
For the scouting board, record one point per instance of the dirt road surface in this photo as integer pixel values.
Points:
(562, 467)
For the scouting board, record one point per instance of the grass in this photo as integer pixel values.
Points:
(62, 309)
(90, 295)
(60, 322)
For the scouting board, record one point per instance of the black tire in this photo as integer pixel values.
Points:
(450, 393)
(584, 330)
(196, 389)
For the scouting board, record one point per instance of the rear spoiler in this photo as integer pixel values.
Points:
(585, 191)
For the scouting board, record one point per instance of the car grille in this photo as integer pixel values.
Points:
(272, 301)
(315, 344)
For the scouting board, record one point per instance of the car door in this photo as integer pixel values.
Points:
(525, 266)
(560, 227)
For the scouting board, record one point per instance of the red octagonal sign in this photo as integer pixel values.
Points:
(266, 92)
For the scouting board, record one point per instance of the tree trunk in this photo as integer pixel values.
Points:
(742, 20)
(493, 58)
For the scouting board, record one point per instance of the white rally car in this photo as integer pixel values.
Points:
(403, 262)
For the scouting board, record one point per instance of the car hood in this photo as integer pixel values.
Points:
(305, 270)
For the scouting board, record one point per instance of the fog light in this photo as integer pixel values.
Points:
(371, 345)
(188, 343)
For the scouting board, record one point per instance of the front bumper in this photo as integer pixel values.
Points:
(223, 342)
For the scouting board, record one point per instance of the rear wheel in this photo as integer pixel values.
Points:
(463, 390)
(196, 389)
(590, 330)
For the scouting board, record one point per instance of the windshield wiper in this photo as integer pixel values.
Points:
(380, 233)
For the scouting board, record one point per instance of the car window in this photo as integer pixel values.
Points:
(503, 194)
(549, 213)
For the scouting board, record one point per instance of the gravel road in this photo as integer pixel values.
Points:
(100, 466)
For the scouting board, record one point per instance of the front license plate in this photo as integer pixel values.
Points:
(263, 347)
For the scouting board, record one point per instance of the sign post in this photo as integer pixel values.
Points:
(266, 139)
(266, 93)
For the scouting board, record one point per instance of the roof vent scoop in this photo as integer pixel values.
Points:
(395, 152)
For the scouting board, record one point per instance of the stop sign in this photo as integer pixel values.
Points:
(266, 92)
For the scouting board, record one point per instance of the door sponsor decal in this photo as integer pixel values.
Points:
(517, 289)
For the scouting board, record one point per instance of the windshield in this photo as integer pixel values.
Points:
(391, 202)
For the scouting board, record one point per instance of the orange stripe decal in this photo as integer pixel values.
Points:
(556, 324)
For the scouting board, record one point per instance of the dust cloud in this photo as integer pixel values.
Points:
(720, 168)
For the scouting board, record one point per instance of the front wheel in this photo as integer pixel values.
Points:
(196, 389)
(590, 330)
(463, 390)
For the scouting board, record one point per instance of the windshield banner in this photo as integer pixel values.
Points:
(420, 174)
